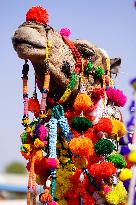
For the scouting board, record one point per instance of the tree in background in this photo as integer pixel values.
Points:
(15, 168)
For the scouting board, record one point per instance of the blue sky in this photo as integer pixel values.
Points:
(110, 24)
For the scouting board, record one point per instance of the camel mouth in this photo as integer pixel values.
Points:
(17, 42)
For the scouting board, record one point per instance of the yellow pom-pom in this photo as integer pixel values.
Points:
(112, 198)
(132, 156)
(118, 129)
(38, 144)
(82, 102)
(117, 195)
(125, 174)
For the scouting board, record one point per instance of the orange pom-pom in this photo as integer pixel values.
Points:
(81, 146)
(82, 102)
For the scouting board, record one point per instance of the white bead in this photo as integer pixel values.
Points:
(81, 178)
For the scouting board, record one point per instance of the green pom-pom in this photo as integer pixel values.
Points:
(24, 137)
(104, 147)
(81, 124)
(89, 67)
(118, 160)
(99, 72)
(73, 81)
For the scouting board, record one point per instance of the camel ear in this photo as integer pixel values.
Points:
(115, 65)
(85, 48)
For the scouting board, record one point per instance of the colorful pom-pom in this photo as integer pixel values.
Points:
(97, 94)
(125, 174)
(99, 72)
(41, 132)
(88, 67)
(82, 102)
(132, 156)
(65, 32)
(34, 106)
(118, 129)
(117, 195)
(38, 144)
(118, 160)
(106, 189)
(104, 147)
(104, 125)
(101, 171)
(81, 146)
(37, 14)
(52, 163)
(81, 124)
(116, 96)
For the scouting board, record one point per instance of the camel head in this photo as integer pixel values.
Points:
(31, 40)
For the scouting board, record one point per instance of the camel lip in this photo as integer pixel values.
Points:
(17, 42)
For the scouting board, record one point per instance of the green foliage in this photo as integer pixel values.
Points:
(104, 147)
(118, 160)
(81, 124)
(15, 168)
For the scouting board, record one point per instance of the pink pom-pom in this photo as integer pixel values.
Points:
(116, 96)
(52, 203)
(42, 132)
(65, 32)
(106, 189)
(52, 163)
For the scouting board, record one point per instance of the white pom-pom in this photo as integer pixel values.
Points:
(48, 183)
(81, 178)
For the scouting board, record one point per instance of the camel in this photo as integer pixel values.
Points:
(30, 40)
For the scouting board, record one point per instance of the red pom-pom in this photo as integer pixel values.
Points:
(97, 94)
(37, 14)
(34, 106)
(102, 171)
(104, 125)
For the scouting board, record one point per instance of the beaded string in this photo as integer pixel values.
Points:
(46, 77)
(25, 87)
(75, 53)
(74, 76)
(45, 89)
